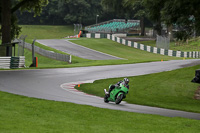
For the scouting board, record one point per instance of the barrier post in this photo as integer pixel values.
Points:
(36, 61)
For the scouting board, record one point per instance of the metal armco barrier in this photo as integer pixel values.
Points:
(12, 62)
(46, 53)
(5, 62)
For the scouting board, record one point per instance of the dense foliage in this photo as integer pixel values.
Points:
(8, 17)
(62, 12)
(182, 13)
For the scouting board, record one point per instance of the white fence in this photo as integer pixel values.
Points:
(163, 42)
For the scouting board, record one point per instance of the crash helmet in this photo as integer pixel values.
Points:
(126, 81)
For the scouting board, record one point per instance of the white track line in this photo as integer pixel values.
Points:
(70, 88)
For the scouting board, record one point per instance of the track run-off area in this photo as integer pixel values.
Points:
(58, 84)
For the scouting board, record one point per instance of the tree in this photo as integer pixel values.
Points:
(137, 7)
(116, 5)
(185, 15)
(50, 15)
(62, 12)
(8, 8)
(154, 9)
(80, 11)
(130, 7)
(150, 9)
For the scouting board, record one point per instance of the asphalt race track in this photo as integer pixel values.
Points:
(56, 84)
(76, 50)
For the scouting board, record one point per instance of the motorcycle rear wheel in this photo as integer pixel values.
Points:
(106, 99)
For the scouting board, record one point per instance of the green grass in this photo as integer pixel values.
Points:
(193, 45)
(47, 31)
(23, 114)
(173, 89)
(131, 55)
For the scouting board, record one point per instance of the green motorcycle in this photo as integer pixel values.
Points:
(116, 95)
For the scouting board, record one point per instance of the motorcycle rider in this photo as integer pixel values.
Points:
(124, 82)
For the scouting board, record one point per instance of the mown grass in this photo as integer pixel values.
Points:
(131, 55)
(46, 31)
(173, 89)
(23, 114)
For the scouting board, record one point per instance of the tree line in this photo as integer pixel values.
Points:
(184, 14)
(63, 12)
(181, 14)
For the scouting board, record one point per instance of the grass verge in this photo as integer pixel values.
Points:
(46, 31)
(193, 45)
(131, 55)
(172, 89)
(23, 114)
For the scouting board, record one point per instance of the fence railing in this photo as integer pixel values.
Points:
(46, 53)
(163, 42)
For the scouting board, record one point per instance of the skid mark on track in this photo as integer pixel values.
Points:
(70, 87)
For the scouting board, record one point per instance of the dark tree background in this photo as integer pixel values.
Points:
(183, 13)
(9, 27)
(63, 12)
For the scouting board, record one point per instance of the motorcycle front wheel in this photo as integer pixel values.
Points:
(119, 99)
